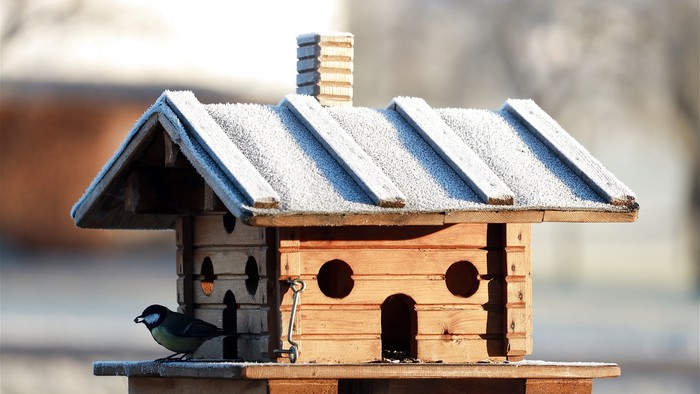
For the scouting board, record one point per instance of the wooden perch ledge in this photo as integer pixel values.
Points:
(519, 377)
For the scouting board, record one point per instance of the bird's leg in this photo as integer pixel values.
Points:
(172, 357)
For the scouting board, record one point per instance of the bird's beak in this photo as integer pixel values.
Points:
(138, 319)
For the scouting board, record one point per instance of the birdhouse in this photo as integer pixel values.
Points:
(322, 232)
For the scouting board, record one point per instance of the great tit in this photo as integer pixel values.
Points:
(177, 332)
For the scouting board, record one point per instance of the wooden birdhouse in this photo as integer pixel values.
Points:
(328, 233)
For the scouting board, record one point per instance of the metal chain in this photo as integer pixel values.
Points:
(294, 348)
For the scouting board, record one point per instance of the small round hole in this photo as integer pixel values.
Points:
(462, 279)
(207, 283)
(229, 222)
(335, 279)
(251, 269)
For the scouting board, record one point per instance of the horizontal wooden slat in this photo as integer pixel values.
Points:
(368, 292)
(228, 260)
(336, 350)
(463, 160)
(209, 230)
(221, 286)
(472, 235)
(345, 150)
(570, 151)
(460, 322)
(250, 348)
(248, 320)
(334, 322)
(390, 262)
(222, 150)
(460, 350)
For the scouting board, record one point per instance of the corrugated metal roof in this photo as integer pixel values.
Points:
(298, 163)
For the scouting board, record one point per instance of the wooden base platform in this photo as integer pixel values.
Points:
(531, 377)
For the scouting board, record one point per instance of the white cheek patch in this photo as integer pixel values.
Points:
(151, 319)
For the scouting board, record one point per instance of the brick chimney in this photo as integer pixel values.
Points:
(324, 67)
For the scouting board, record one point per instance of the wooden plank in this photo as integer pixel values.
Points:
(249, 320)
(554, 386)
(389, 262)
(303, 386)
(171, 150)
(346, 151)
(337, 350)
(334, 322)
(460, 349)
(250, 348)
(221, 286)
(332, 38)
(209, 230)
(461, 236)
(374, 292)
(491, 216)
(573, 154)
(267, 219)
(450, 322)
(591, 216)
(463, 160)
(185, 287)
(222, 150)
(229, 260)
(518, 234)
(527, 369)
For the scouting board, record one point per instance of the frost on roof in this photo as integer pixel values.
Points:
(305, 176)
(417, 170)
(534, 173)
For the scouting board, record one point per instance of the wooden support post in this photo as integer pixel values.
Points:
(185, 264)
(303, 386)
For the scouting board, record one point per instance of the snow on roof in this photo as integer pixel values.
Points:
(298, 163)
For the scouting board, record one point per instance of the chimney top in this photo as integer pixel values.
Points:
(324, 67)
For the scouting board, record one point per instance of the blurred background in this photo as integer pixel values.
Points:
(620, 76)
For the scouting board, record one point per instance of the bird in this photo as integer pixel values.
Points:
(177, 332)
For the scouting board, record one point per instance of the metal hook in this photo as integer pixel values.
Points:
(294, 348)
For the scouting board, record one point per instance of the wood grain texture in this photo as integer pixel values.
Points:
(346, 151)
(303, 386)
(209, 230)
(231, 370)
(267, 219)
(570, 151)
(229, 260)
(222, 150)
(389, 262)
(422, 290)
(463, 160)
(461, 236)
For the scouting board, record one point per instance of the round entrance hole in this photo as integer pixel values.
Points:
(335, 279)
(251, 269)
(462, 279)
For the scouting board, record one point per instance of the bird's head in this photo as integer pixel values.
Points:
(152, 316)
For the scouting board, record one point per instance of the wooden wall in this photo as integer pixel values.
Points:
(222, 269)
(471, 325)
